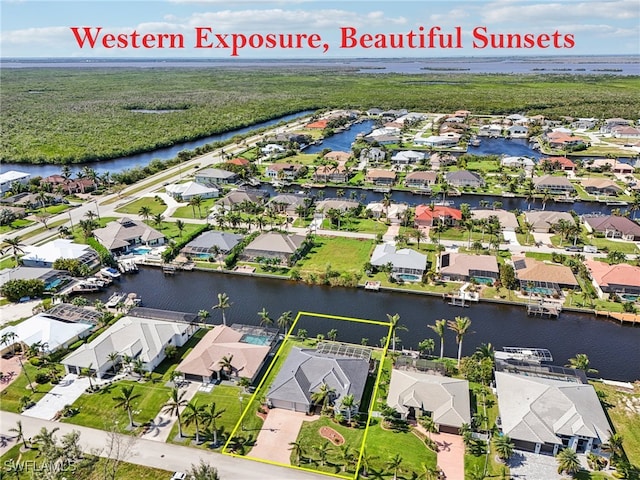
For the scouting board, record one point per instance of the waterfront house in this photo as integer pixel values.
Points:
(611, 123)
(517, 131)
(317, 125)
(438, 141)
(464, 178)
(535, 275)
(68, 185)
(612, 165)
(140, 338)
(561, 140)
(215, 177)
(240, 196)
(542, 221)
(518, 162)
(394, 211)
(120, 235)
(444, 399)
(341, 204)
(306, 371)
(622, 131)
(553, 184)
(407, 157)
(329, 173)
(421, 179)
(274, 245)
(601, 186)
(208, 243)
(287, 202)
(403, 262)
(45, 255)
(272, 149)
(544, 415)
(382, 139)
(438, 160)
(337, 156)
(613, 226)
(380, 177)
(560, 163)
(372, 155)
(461, 267)
(284, 171)
(8, 178)
(508, 221)
(50, 277)
(430, 215)
(584, 123)
(184, 192)
(247, 347)
(619, 279)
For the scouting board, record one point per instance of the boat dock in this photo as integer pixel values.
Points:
(373, 286)
(544, 309)
(127, 265)
(628, 318)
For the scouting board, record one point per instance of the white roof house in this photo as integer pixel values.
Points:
(408, 156)
(447, 399)
(404, 260)
(45, 255)
(7, 179)
(52, 333)
(544, 412)
(186, 191)
(518, 162)
(395, 210)
(137, 337)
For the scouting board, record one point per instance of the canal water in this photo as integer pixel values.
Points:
(613, 349)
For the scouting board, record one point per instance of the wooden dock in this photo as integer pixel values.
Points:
(628, 318)
(544, 309)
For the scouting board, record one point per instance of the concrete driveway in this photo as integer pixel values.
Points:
(450, 454)
(529, 466)
(280, 428)
(65, 393)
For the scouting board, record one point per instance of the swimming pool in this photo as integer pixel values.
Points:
(629, 298)
(484, 280)
(255, 339)
(141, 250)
(53, 284)
(541, 290)
(408, 277)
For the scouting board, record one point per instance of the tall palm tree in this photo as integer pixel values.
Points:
(14, 246)
(90, 373)
(203, 315)
(223, 304)
(418, 235)
(113, 358)
(145, 212)
(125, 401)
(180, 226)
(210, 415)
(284, 321)
(428, 424)
(158, 218)
(193, 414)
(265, 320)
(19, 434)
(332, 334)
(348, 403)
(323, 452)
(196, 202)
(581, 362)
(226, 363)
(323, 396)
(394, 465)
(460, 325)
(568, 462)
(394, 320)
(366, 459)
(347, 456)
(504, 446)
(297, 450)
(439, 328)
(174, 406)
(9, 338)
(614, 446)
(485, 350)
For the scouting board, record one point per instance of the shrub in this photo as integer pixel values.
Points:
(41, 378)
(35, 361)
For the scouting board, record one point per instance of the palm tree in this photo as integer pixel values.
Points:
(504, 447)
(223, 304)
(226, 363)
(394, 465)
(365, 462)
(429, 472)
(125, 401)
(284, 320)
(180, 226)
(9, 338)
(193, 414)
(395, 326)
(418, 235)
(210, 415)
(460, 326)
(90, 373)
(196, 202)
(348, 403)
(265, 320)
(426, 346)
(614, 446)
(297, 450)
(347, 456)
(203, 471)
(581, 362)
(323, 451)
(485, 350)
(19, 434)
(439, 328)
(323, 396)
(14, 246)
(113, 358)
(174, 405)
(203, 314)
(157, 220)
(568, 462)
(332, 334)
(145, 212)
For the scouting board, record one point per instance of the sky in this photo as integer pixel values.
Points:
(581, 27)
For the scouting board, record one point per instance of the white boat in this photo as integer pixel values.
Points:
(110, 272)
(115, 299)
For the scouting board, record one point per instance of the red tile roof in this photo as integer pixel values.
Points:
(424, 212)
(605, 274)
(243, 162)
(562, 161)
(320, 124)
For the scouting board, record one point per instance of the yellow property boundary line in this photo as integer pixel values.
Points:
(268, 372)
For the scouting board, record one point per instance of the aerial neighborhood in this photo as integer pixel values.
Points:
(517, 210)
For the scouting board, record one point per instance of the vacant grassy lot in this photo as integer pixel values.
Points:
(342, 254)
(134, 207)
(79, 115)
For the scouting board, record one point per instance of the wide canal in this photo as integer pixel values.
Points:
(613, 349)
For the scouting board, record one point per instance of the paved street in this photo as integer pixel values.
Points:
(159, 455)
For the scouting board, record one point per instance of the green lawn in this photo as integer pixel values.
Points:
(303, 158)
(10, 396)
(168, 365)
(188, 211)
(361, 225)
(170, 230)
(98, 410)
(91, 468)
(16, 225)
(133, 208)
(343, 254)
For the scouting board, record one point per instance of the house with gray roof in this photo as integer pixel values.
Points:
(341, 204)
(286, 202)
(9, 177)
(404, 261)
(545, 414)
(274, 245)
(372, 155)
(137, 337)
(305, 371)
(508, 221)
(208, 243)
(407, 157)
(422, 179)
(463, 268)
(213, 177)
(444, 399)
(541, 221)
(124, 233)
(241, 195)
(553, 184)
(464, 178)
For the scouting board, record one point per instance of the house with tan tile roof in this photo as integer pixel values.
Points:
(541, 221)
(329, 173)
(461, 267)
(380, 177)
(508, 221)
(613, 164)
(601, 186)
(248, 347)
(562, 140)
(618, 279)
(420, 179)
(530, 271)
(337, 156)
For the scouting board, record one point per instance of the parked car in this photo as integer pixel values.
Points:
(590, 249)
(179, 476)
(573, 249)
